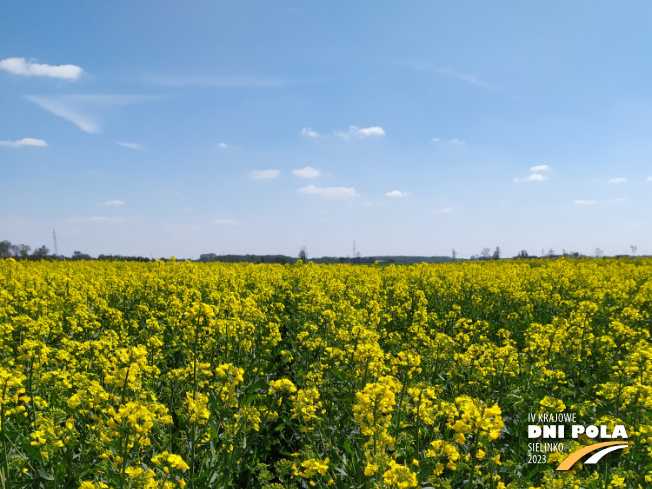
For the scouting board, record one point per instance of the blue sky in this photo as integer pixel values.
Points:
(161, 128)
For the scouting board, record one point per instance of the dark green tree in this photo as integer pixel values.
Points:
(496, 255)
(5, 249)
(21, 251)
(40, 253)
(303, 254)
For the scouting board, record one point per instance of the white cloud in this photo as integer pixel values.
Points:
(620, 199)
(585, 202)
(329, 192)
(24, 142)
(107, 219)
(454, 141)
(114, 202)
(75, 108)
(355, 131)
(223, 222)
(535, 177)
(445, 210)
(617, 180)
(397, 193)
(307, 131)
(539, 168)
(223, 145)
(264, 174)
(137, 147)
(371, 131)
(307, 172)
(19, 66)
(649, 179)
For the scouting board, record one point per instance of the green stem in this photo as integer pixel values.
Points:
(32, 414)
(417, 424)
(375, 426)
(124, 461)
(5, 477)
(475, 455)
(400, 404)
(124, 387)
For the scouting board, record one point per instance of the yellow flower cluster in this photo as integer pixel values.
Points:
(399, 476)
(171, 460)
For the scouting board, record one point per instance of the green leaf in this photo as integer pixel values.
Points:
(44, 475)
(347, 447)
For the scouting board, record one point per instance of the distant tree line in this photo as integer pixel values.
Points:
(212, 257)
(22, 251)
(303, 256)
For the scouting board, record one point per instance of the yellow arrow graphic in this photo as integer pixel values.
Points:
(575, 456)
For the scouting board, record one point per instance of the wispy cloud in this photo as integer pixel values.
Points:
(649, 179)
(264, 174)
(19, 66)
(454, 141)
(619, 199)
(105, 219)
(137, 147)
(617, 180)
(445, 210)
(535, 177)
(397, 193)
(308, 131)
(76, 108)
(64, 110)
(357, 132)
(329, 192)
(111, 220)
(24, 142)
(585, 202)
(307, 172)
(450, 72)
(222, 81)
(223, 145)
(539, 168)
(223, 222)
(114, 202)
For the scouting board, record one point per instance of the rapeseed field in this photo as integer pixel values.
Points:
(183, 375)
